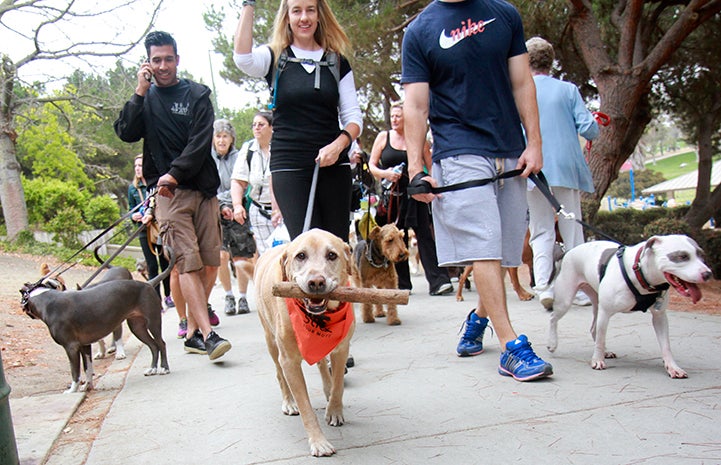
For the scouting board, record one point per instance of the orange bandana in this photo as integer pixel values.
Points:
(318, 335)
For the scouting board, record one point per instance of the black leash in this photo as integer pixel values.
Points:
(419, 186)
(540, 181)
(106, 263)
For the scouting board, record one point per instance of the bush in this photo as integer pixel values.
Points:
(66, 225)
(710, 242)
(621, 187)
(664, 226)
(45, 198)
(101, 211)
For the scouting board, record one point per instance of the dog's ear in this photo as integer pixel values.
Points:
(375, 233)
(283, 264)
(653, 240)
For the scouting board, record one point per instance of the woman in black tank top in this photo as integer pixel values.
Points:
(389, 151)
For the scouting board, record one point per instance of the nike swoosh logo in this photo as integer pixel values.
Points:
(447, 42)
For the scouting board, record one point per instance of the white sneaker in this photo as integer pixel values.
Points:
(581, 300)
(546, 298)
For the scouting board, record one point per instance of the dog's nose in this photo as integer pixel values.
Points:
(706, 275)
(317, 284)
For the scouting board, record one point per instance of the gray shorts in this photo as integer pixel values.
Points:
(480, 223)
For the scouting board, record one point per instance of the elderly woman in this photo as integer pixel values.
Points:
(238, 241)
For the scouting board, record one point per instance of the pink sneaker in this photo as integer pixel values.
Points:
(214, 320)
(182, 328)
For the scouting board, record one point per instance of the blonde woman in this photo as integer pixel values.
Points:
(312, 92)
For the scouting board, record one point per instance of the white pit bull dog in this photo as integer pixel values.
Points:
(623, 279)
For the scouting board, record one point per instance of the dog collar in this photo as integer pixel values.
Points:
(373, 254)
(639, 274)
(643, 301)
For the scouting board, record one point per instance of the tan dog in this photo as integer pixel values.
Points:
(318, 262)
(414, 256)
(526, 259)
(55, 281)
(373, 267)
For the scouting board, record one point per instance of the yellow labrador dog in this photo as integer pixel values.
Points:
(298, 329)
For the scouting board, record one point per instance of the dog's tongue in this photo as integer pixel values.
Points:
(684, 288)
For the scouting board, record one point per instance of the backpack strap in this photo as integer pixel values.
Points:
(331, 61)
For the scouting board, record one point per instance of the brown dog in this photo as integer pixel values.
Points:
(526, 259)
(373, 267)
(318, 262)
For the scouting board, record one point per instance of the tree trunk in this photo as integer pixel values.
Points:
(702, 207)
(12, 195)
(625, 102)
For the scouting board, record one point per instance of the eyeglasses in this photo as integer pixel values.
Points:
(258, 125)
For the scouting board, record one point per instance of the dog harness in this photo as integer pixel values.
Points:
(643, 301)
(318, 335)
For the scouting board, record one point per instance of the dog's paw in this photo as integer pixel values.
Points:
(609, 355)
(459, 298)
(112, 349)
(334, 418)
(120, 355)
(73, 388)
(321, 447)
(379, 314)
(151, 371)
(524, 296)
(289, 408)
(598, 364)
(675, 371)
(368, 319)
(163, 370)
(394, 321)
(99, 355)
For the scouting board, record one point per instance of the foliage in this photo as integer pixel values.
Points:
(67, 224)
(710, 242)
(664, 226)
(101, 211)
(44, 34)
(45, 198)
(621, 187)
(25, 243)
(46, 149)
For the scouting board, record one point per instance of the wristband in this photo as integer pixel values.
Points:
(347, 134)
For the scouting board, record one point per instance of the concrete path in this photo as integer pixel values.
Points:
(411, 400)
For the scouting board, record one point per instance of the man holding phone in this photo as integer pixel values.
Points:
(174, 117)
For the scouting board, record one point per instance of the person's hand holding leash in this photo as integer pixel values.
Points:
(166, 186)
(530, 161)
(239, 214)
(422, 183)
(329, 154)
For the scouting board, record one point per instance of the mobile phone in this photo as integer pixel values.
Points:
(148, 76)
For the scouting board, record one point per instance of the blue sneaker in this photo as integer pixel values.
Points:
(471, 342)
(521, 362)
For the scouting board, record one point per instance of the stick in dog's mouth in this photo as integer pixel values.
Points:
(684, 288)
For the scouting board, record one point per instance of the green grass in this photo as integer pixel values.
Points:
(677, 165)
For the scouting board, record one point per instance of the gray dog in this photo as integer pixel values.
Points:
(78, 318)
